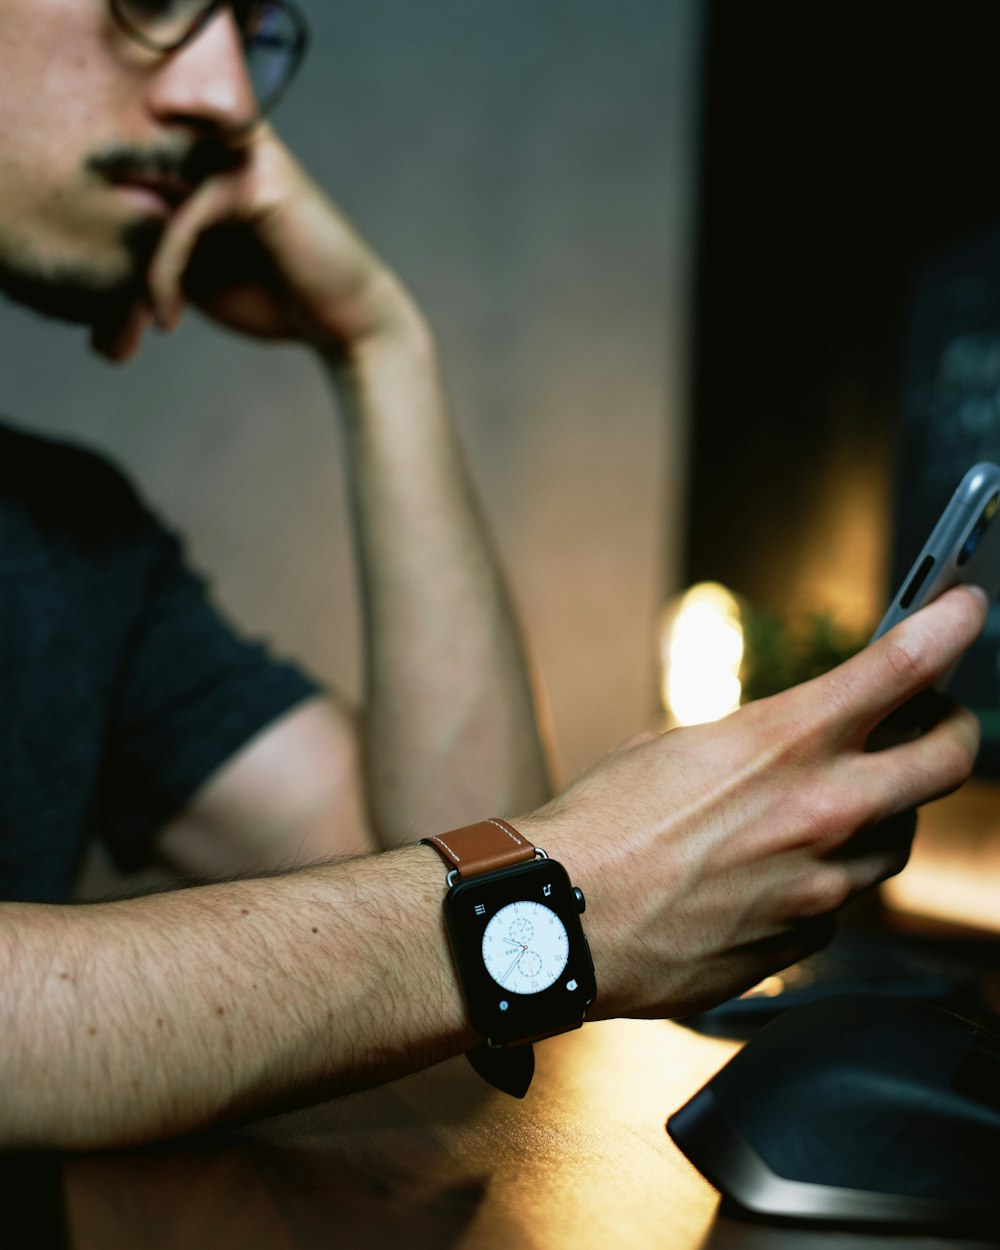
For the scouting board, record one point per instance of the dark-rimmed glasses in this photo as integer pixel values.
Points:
(275, 35)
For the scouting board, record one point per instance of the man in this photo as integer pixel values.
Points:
(141, 179)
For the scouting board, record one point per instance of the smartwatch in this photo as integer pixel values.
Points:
(513, 922)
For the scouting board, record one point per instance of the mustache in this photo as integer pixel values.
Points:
(189, 167)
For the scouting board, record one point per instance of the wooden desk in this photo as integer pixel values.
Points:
(440, 1162)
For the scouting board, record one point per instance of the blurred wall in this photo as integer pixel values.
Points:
(529, 169)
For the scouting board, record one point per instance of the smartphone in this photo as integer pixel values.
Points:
(964, 546)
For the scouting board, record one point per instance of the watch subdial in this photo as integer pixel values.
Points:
(530, 965)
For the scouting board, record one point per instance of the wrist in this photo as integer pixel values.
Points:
(591, 865)
(389, 327)
(407, 966)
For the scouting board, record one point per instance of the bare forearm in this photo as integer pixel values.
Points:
(139, 1020)
(451, 727)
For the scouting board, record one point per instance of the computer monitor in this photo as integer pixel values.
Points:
(951, 420)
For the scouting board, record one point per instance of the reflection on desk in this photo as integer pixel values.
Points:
(441, 1162)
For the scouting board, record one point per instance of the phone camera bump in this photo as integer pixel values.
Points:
(979, 529)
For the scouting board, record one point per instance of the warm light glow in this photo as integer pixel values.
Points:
(795, 977)
(701, 651)
(947, 892)
(837, 564)
(770, 987)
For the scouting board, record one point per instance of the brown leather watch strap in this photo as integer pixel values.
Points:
(482, 847)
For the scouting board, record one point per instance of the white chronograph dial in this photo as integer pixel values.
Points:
(525, 947)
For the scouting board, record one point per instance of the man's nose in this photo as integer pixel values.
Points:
(205, 83)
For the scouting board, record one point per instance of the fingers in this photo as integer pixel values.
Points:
(215, 202)
(911, 719)
(120, 340)
(906, 776)
(905, 661)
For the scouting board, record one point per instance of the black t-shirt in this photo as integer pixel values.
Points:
(121, 688)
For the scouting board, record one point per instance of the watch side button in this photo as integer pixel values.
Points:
(581, 902)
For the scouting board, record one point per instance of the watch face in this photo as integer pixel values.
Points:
(520, 951)
(525, 947)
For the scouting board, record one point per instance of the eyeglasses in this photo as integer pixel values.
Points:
(275, 35)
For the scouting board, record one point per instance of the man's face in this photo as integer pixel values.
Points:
(100, 140)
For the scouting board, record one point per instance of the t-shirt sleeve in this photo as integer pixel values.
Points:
(188, 693)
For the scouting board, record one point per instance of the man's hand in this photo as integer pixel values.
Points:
(262, 250)
(715, 855)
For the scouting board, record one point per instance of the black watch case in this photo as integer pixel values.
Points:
(520, 951)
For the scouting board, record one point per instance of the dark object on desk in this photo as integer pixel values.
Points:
(861, 1109)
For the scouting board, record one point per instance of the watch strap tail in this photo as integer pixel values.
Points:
(508, 1069)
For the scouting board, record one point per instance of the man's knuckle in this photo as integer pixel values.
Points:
(821, 817)
(968, 730)
(822, 892)
(954, 760)
(908, 659)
